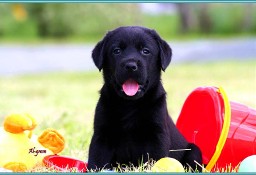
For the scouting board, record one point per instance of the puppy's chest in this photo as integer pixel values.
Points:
(132, 121)
(132, 130)
(131, 124)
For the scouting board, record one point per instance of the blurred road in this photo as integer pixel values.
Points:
(24, 59)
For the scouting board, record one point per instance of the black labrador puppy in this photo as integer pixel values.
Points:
(131, 121)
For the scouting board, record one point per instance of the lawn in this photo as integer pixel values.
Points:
(66, 101)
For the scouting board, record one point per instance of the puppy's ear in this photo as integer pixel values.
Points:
(98, 54)
(165, 51)
(165, 54)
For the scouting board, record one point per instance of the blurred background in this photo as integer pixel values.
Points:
(88, 22)
(46, 67)
(68, 31)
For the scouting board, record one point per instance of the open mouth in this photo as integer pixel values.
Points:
(131, 87)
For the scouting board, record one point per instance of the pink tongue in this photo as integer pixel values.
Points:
(130, 87)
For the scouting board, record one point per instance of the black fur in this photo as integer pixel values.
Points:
(131, 129)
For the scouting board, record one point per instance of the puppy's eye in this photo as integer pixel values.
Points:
(145, 51)
(116, 51)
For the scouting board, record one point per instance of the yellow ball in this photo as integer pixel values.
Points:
(167, 164)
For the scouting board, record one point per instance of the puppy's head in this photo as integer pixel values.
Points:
(132, 58)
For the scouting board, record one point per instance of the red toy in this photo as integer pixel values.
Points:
(64, 164)
(225, 131)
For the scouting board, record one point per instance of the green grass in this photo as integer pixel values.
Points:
(66, 101)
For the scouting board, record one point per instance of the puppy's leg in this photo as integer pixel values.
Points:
(192, 158)
(99, 156)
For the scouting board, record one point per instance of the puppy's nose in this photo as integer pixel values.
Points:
(131, 66)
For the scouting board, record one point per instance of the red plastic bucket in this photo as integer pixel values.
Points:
(224, 131)
(64, 164)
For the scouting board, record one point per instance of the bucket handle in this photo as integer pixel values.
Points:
(224, 132)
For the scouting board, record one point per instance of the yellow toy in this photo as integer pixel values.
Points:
(20, 151)
(167, 164)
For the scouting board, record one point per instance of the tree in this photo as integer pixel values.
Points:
(204, 20)
(187, 17)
